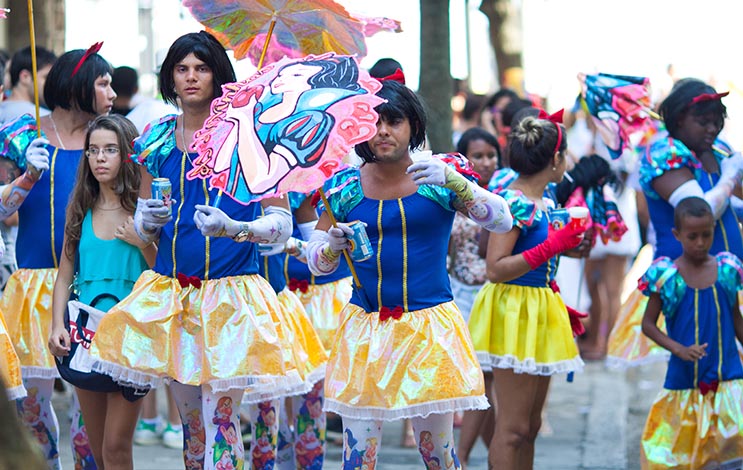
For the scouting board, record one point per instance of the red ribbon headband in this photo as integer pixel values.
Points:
(708, 97)
(397, 76)
(556, 119)
(91, 50)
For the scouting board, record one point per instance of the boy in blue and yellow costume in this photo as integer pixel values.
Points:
(402, 349)
(203, 317)
(697, 419)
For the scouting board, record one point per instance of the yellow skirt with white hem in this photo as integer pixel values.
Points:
(526, 329)
(222, 334)
(307, 351)
(324, 303)
(688, 430)
(10, 366)
(422, 363)
(27, 307)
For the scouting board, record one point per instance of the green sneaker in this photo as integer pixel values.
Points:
(173, 436)
(148, 434)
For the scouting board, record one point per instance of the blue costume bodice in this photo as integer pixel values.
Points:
(42, 214)
(534, 226)
(181, 247)
(697, 316)
(665, 154)
(409, 236)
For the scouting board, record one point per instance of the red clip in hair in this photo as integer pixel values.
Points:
(708, 97)
(91, 50)
(556, 119)
(397, 76)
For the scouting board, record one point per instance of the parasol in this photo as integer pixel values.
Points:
(286, 128)
(294, 28)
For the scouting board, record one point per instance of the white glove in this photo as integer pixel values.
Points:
(37, 156)
(150, 216)
(338, 237)
(270, 249)
(213, 222)
(732, 167)
(431, 171)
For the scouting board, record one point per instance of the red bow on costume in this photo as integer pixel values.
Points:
(91, 50)
(186, 281)
(574, 315)
(385, 313)
(555, 117)
(708, 97)
(302, 285)
(705, 387)
(397, 76)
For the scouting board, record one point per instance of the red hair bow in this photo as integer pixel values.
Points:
(300, 284)
(385, 313)
(554, 117)
(709, 97)
(396, 76)
(705, 387)
(186, 281)
(91, 50)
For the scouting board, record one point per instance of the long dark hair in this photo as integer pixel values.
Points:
(87, 189)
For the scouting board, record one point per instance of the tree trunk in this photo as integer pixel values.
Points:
(49, 25)
(505, 33)
(436, 84)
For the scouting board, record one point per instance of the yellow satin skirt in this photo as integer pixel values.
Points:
(27, 306)
(526, 329)
(688, 430)
(307, 351)
(223, 334)
(10, 366)
(422, 363)
(323, 303)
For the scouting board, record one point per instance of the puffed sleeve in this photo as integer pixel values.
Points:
(155, 144)
(343, 192)
(15, 137)
(662, 278)
(730, 274)
(524, 211)
(444, 196)
(501, 180)
(663, 154)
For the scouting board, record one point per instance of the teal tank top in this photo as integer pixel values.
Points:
(106, 266)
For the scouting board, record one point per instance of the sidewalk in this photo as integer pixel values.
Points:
(595, 422)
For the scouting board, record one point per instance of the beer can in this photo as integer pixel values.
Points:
(163, 190)
(559, 218)
(361, 247)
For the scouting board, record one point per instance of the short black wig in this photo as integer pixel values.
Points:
(679, 101)
(207, 49)
(64, 90)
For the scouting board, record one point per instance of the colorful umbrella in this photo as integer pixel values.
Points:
(295, 28)
(620, 106)
(286, 128)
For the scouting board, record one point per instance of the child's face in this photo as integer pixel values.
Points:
(695, 235)
(104, 155)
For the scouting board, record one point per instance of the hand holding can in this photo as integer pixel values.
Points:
(163, 190)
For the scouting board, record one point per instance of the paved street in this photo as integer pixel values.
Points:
(595, 424)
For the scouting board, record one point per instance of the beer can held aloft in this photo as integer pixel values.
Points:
(361, 247)
(163, 190)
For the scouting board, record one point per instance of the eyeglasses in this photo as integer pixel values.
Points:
(93, 152)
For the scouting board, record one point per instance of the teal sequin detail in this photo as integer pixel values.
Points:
(524, 211)
(155, 144)
(15, 138)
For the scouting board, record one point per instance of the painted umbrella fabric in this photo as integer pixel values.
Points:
(286, 128)
(302, 27)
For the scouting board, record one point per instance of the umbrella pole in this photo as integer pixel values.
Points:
(329, 211)
(32, 33)
(265, 44)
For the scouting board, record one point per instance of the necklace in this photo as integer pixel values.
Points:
(183, 137)
(108, 208)
(59, 139)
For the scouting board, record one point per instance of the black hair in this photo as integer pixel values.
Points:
(532, 143)
(522, 113)
(691, 207)
(337, 72)
(64, 90)
(472, 106)
(125, 81)
(384, 67)
(679, 101)
(21, 60)
(477, 133)
(207, 49)
(512, 108)
(502, 93)
(402, 103)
